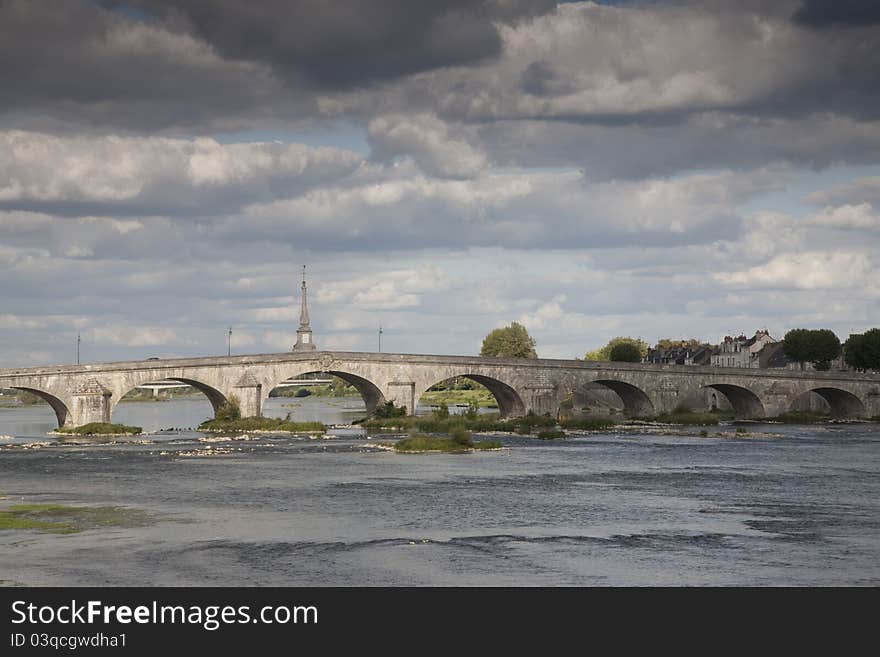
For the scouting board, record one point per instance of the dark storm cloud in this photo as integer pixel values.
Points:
(827, 13)
(82, 64)
(348, 42)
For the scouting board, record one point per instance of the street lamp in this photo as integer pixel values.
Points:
(380, 339)
(78, 340)
(229, 342)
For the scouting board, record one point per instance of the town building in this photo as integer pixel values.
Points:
(681, 354)
(741, 351)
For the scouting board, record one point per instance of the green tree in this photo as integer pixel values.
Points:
(819, 347)
(605, 352)
(797, 346)
(824, 347)
(511, 341)
(626, 352)
(862, 350)
(854, 351)
(669, 343)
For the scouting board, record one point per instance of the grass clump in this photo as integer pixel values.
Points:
(551, 434)
(531, 421)
(62, 519)
(100, 429)
(687, 418)
(262, 424)
(457, 443)
(587, 423)
(390, 423)
(389, 410)
(440, 422)
(802, 417)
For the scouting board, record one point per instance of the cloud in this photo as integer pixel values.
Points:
(433, 144)
(861, 190)
(140, 175)
(850, 13)
(810, 270)
(396, 289)
(344, 43)
(513, 210)
(77, 62)
(613, 90)
(702, 141)
(590, 170)
(848, 217)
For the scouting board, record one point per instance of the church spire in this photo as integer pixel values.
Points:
(304, 308)
(304, 340)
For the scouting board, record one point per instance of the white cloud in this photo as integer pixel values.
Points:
(848, 217)
(810, 270)
(395, 289)
(439, 149)
(174, 174)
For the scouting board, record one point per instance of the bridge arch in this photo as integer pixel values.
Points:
(843, 403)
(369, 391)
(217, 398)
(62, 412)
(510, 404)
(636, 402)
(746, 404)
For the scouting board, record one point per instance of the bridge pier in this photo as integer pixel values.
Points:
(540, 401)
(872, 402)
(249, 393)
(402, 393)
(90, 403)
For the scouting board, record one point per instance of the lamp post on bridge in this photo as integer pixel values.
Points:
(229, 342)
(380, 339)
(78, 340)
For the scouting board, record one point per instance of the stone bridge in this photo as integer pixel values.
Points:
(89, 393)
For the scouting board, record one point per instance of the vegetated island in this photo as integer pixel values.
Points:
(261, 425)
(63, 519)
(228, 418)
(99, 429)
(442, 422)
(459, 441)
(389, 419)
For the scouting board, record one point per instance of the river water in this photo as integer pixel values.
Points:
(786, 505)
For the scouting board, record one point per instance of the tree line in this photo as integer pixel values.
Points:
(819, 347)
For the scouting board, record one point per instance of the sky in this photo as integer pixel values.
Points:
(653, 169)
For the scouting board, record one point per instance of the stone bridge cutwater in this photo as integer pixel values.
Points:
(80, 394)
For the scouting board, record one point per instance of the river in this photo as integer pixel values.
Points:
(786, 505)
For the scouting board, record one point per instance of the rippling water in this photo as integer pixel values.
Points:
(801, 507)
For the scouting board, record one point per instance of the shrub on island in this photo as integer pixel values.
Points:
(262, 424)
(458, 442)
(100, 429)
